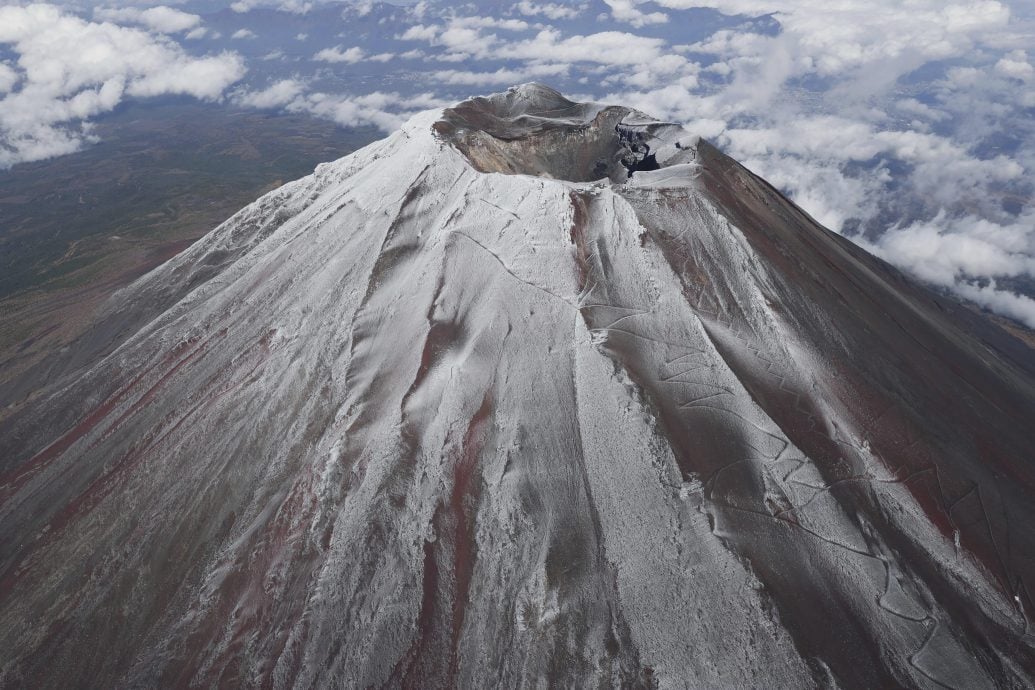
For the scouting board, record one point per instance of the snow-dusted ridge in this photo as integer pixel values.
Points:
(472, 407)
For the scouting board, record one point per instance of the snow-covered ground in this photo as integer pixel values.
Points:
(472, 407)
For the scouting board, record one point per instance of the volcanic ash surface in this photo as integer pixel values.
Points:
(529, 393)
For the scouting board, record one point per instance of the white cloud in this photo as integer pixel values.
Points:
(349, 56)
(967, 254)
(606, 48)
(1016, 65)
(8, 78)
(418, 10)
(944, 249)
(628, 11)
(613, 56)
(242, 34)
(829, 38)
(1018, 307)
(384, 110)
(490, 23)
(70, 70)
(913, 107)
(204, 78)
(465, 40)
(291, 6)
(276, 95)
(419, 32)
(363, 7)
(162, 19)
(550, 10)
(502, 76)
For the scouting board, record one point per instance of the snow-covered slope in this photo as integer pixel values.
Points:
(473, 407)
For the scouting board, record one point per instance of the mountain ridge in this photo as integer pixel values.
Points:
(492, 401)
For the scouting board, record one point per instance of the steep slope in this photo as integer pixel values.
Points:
(475, 407)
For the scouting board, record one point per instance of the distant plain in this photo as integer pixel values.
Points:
(74, 229)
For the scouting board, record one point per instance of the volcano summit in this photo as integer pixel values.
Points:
(529, 393)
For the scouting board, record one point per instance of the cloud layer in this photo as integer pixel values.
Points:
(68, 70)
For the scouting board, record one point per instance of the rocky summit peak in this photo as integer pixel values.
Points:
(534, 130)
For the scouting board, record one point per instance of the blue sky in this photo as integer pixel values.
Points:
(906, 125)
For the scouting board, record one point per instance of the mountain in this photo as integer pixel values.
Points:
(531, 392)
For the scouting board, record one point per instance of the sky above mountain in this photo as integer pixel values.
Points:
(905, 125)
